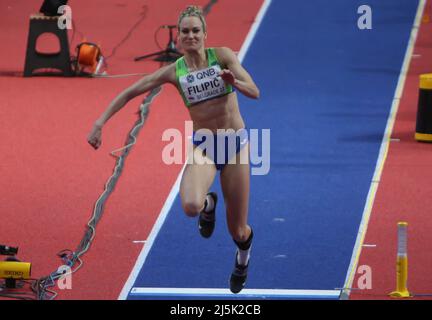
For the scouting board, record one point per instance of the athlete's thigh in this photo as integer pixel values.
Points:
(197, 178)
(235, 182)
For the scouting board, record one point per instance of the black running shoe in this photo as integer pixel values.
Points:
(238, 277)
(206, 221)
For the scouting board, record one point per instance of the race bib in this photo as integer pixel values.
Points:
(203, 84)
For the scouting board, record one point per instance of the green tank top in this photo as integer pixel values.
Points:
(201, 85)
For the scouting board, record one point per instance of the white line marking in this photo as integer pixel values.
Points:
(253, 30)
(175, 190)
(369, 246)
(153, 234)
(270, 293)
(383, 151)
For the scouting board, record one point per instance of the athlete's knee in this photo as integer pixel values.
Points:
(192, 208)
(240, 233)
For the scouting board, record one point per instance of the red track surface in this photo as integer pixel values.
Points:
(404, 193)
(51, 177)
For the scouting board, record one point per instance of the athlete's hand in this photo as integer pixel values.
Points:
(95, 136)
(227, 76)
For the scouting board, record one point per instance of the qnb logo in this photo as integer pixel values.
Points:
(209, 73)
(65, 21)
(190, 78)
(364, 22)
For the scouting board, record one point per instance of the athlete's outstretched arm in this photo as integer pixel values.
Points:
(236, 75)
(147, 83)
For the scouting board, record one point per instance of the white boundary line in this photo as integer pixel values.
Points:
(245, 293)
(253, 30)
(383, 153)
(175, 189)
(153, 234)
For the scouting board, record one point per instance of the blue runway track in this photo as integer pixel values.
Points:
(326, 92)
